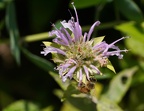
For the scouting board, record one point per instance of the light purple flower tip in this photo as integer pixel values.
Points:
(95, 68)
(61, 37)
(117, 53)
(69, 74)
(50, 49)
(67, 35)
(62, 68)
(86, 71)
(84, 38)
(112, 44)
(74, 27)
(80, 77)
(91, 29)
(72, 61)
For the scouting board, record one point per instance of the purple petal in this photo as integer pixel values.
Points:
(69, 74)
(64, 78)
(84, 37)
(72, 61)
(77, 28)
(74, 27)
(59, 41)
(54, 32)
(50, 49)
(95, 68)
(68, 25)
(62, 68)
(86, 71)
(80, 77)
(77, 31)
(101, 45)
(59, 35)
(68, 36)
(112, 44)
(117, 53)
(75, 13)
(92, 28)
(64, 37)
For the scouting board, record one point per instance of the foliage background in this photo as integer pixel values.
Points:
(27, 79)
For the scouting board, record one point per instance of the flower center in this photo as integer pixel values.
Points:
(81, 52)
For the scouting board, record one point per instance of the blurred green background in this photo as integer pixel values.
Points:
(28, 81)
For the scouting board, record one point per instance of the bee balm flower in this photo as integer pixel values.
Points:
(77, 56)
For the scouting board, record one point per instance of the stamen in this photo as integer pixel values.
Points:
(75, 12)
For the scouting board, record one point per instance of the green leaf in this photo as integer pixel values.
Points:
(110, 66)
(132, 29)
(88, 3)
(49, 108)
(22, 105)
(130, 10)
(135, 46)
(42, 63)
(98, 39)
(58, 58)
(119, 85)
(68, 107)
(82, 103)
(46, 43)
(105, 104)
(58, 93)
(13, 31)
(136, 33)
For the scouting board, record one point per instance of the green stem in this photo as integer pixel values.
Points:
(37, 37)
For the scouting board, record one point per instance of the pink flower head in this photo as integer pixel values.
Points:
(78, 56)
